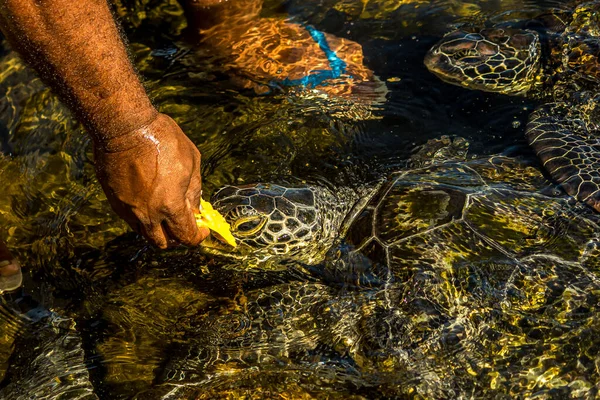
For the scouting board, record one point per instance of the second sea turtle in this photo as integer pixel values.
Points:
(555, 58)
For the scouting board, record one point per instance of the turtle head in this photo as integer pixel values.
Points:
(499, 60)
(268, 219)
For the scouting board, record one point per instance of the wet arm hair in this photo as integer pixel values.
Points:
(76, 48)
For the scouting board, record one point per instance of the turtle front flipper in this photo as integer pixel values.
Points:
(567, 140)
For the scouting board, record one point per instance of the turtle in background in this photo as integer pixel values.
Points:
(554, 58)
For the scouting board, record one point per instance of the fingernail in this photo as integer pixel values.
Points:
(4, 263)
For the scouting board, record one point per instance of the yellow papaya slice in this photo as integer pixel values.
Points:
(210, 218)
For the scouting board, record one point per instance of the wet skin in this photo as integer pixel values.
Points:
(148, 168)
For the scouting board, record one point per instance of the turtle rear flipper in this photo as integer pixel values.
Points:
(565, 137)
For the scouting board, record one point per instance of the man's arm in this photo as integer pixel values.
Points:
(149, 169)
(76, 48)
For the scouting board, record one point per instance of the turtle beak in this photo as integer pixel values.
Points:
(431, 60)
(439, 65)
(217, 246)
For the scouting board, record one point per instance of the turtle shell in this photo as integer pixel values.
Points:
(580, 50)
(495, 210)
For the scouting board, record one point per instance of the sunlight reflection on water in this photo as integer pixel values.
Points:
(500, 302)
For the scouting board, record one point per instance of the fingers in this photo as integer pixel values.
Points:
(162, 225)
(155, 234)
(180, 227)
(194, 191)
(183, 228)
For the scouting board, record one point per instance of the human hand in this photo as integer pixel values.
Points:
(151, 178)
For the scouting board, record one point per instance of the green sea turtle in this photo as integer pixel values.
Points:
(553, 57)
(423, 282)
(454, 201)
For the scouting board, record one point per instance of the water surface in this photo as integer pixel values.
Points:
(183, 324)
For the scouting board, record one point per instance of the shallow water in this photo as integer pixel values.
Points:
(452, 316)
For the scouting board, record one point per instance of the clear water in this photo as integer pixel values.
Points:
(150, 324)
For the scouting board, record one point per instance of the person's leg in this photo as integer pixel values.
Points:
(266, 53)
(10, 270)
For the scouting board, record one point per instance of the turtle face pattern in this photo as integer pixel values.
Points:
(492, 59)
(271, 218)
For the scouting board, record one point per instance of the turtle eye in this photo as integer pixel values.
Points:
(248, 226)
